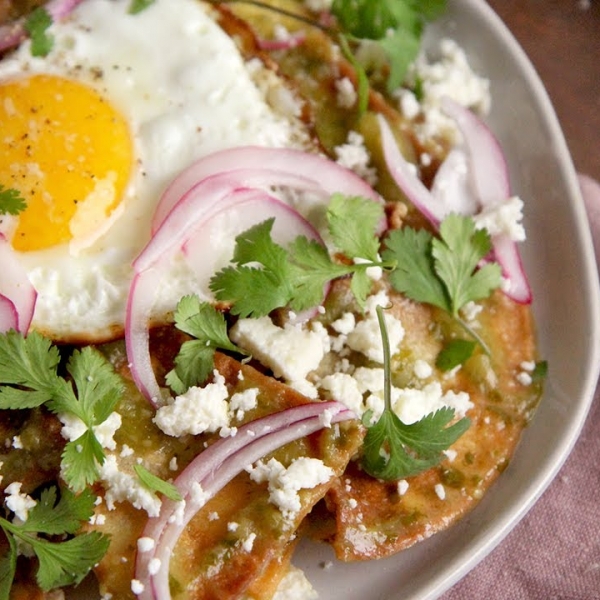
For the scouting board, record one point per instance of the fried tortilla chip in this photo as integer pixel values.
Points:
(239, 544)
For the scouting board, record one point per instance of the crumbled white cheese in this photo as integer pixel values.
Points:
(145, 544)
(291, 352)
(373, 273)
(440, 491)
(17, 444)
(73, 428)
(19, 503)
(241, 402)
(402, 487)
(470, 311)
(346, 94)
(120, 486)
(285, 483)
(200, 409)
(248, 543)
(345, 324)
(504, 218)
(354, 156)
(412, 405)
(447, 75)
(422, 369)
(137, 587)
(295, 586)
(366, 336)
(344, 388)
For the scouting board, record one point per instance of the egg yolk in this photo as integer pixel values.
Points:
(68, 152)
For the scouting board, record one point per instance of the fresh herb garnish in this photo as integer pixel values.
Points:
(393, 450)
(29, 378)
(36, 25)
(61, 561)
(11, 201)
(137, 6)
(395, 25)
(454, 353)
(295, 276)
(444, 271)
(156, 484)
(195, 360)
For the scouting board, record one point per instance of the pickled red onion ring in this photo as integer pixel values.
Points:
(271, 167)
(17, 294)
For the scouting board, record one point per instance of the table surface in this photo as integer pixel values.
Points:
(562, 40)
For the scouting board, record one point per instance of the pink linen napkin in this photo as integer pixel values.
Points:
(554, 553)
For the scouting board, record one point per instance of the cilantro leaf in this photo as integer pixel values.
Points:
(80, 460)
(98, 387)
(255, 290)
(8, 568)
(443, 272)
(156, 484)
(30, 363)
(11, 201)
(63, 562)
(456, 257)
(454, 353)
(393, 450)
(195, 360)
(54, 517)
(137, 6)
(36, 26)
(68, 562)
(313, 269)
(352, 223)
(29, 378)
(266, 276)
(395, 25)
(415, 274)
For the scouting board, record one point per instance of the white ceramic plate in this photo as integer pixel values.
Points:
(559, 258)
(560, 261)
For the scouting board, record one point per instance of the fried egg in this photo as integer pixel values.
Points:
(92, 134)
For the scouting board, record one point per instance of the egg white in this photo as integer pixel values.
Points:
(186, 91)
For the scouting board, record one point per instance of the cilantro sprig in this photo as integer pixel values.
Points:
(446, 271)
(265, 276)
(393, 450)
(29, 378)
(195, 360)
(11, 201)
(62, 561)
(396, 26)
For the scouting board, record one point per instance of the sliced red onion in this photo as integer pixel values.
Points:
(451, 186)
(214, 468)
(16, 291)
(12, 34)
(406, 178)
(9, 319)
(489, 172)
(137, 335)
(270, 167)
